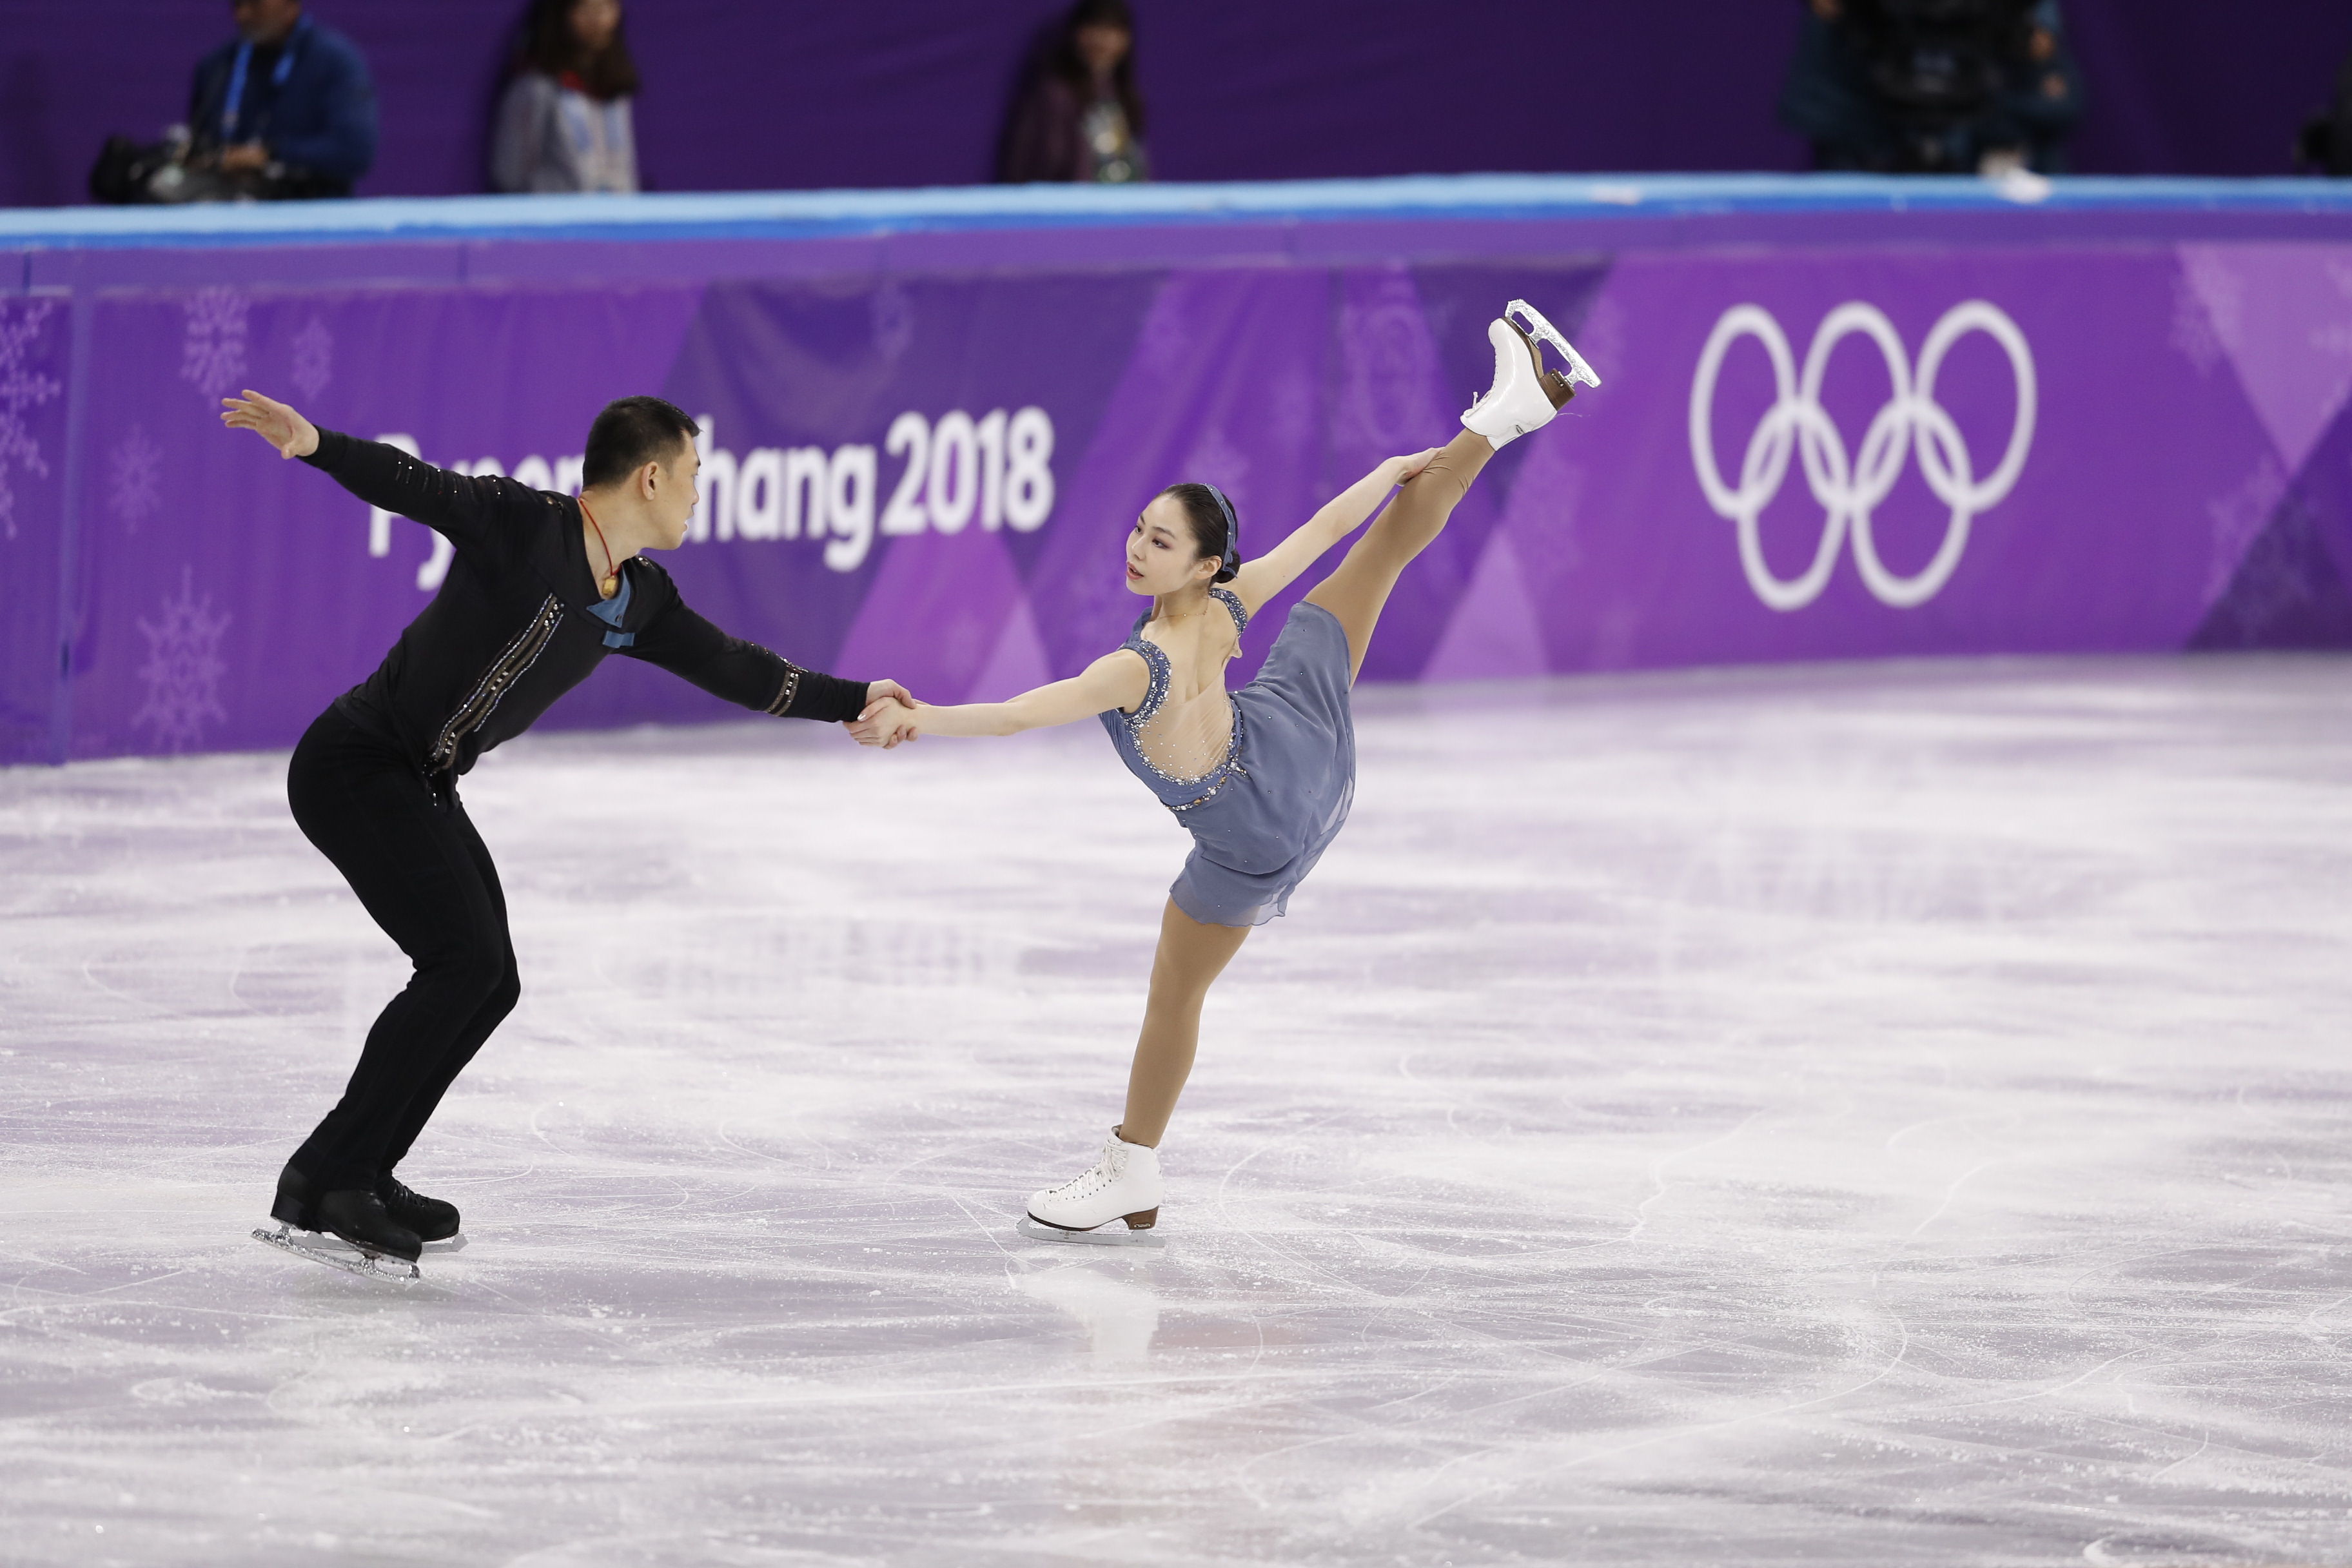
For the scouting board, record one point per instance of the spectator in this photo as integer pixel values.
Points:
(1934, 86)
(2327, 141)
(286, 110)
(1079, 116)
(563, 123)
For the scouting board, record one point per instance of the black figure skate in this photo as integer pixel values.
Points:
(431, 1218)
(347, 1229)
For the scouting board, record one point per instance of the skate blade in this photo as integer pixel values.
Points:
(1114, 1234)
(1539, 327)
(336, 1253)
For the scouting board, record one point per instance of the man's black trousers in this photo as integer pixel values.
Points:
(424, 875)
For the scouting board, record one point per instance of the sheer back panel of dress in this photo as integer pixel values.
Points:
(1187, 735)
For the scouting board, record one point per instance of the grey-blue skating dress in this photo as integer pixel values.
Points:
(1264, 816)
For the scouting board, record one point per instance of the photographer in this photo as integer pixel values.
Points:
(284, 110)
(1934, 86)
(288, 103)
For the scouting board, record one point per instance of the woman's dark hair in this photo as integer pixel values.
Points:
(630, 433)
(1063, 59)
(549, 48)
(1208, 522)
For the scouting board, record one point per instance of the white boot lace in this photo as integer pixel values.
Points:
(1106, 1173)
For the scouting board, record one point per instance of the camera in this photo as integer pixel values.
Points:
(1938, 68)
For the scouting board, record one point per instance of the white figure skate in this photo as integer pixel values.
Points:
(1123, 1186)
(1525, 396)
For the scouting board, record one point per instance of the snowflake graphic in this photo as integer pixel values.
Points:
(1391, 367)
(184, 667)
(2239, 517)
(2209, 310)
(1216, 460)
(134, 483)
(2192, 329)
(212, 352)
(1167, 336)
(21, 391)
(314, 358)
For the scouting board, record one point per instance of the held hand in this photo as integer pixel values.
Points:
(876, 690)
(1404, 468)
(886, 720)
(274, 422)
(884, 724)
(244, 156)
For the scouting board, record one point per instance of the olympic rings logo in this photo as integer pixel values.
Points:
(1851, 488)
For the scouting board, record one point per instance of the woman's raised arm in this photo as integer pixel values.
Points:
(1270, 573)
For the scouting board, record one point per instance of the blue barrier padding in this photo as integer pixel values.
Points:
(795, 215)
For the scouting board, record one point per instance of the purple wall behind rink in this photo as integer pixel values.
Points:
(2093, 443)
(756, 97)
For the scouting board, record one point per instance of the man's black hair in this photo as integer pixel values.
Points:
(631, 432)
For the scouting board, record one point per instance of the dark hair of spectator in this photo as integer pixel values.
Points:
(549, 48)
(630, 433)
(1208, 521)
(1063, 59)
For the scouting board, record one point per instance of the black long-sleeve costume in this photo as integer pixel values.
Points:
(373, 783)
(510, 631)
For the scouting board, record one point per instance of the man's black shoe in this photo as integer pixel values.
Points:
(292, 1205)
(358, 1216)
(430, 1218)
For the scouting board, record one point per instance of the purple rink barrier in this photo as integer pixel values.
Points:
(1840, 419)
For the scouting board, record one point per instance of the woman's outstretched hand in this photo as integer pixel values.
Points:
(274, 422)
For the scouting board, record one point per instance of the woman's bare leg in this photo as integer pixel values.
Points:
(1191, 957)
(1356, 592)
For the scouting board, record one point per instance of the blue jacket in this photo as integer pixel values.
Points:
(320, 118)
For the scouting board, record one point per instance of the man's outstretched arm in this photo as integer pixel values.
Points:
(455, 504)
(675, 638)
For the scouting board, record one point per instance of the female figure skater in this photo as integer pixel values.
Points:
(1263, 778)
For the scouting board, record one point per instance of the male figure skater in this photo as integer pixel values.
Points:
(541, 588)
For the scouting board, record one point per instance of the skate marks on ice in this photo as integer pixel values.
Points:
(1884, 1116)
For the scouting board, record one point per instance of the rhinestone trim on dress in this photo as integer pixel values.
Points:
(1155, 659)
(1233, 603)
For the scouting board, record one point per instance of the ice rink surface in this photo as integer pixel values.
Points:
(1869, 1115)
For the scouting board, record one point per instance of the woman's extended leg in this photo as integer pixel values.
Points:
(1355, 592)
(1191, 957)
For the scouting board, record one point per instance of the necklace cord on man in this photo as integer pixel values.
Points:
(612, 580)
